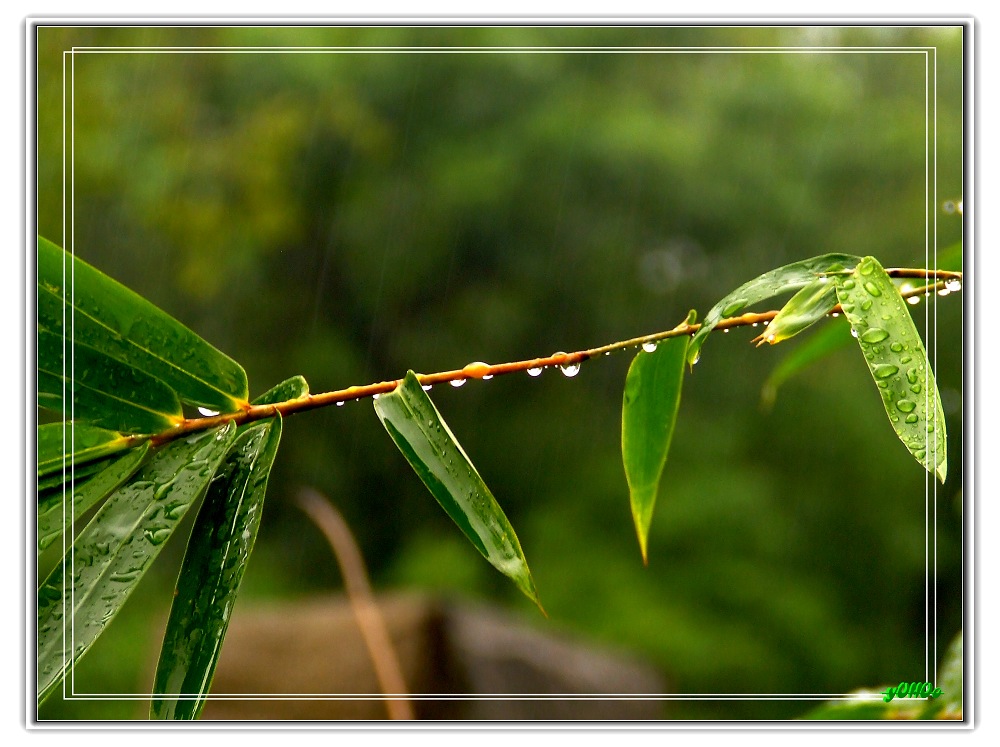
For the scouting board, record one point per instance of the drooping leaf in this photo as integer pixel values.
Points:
(211, 573)
(649, 413)
(84, 305)
(66, 445)
(784, 279)
(805, 308)
(896, 358)
(832, 336)
(54, 517)
(104, 391)
(429, 446)
(107, 561)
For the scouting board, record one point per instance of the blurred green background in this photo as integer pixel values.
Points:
(347, 216)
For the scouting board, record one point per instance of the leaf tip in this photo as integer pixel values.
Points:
(942, 470)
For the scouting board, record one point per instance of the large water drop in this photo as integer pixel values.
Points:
(570, 369)
(536, 371)
(457, 382)
(649, 347)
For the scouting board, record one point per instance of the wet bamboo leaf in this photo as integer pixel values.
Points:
(65, 445)
(88, 588)
(649, 413)
(54, 480)
(292, 388)
(211, 573)
(784, 279)
(54, 518)
(80, 302)
(104, 391)
(429, 446)
(832, 336)
(896, 358)
(805, 308)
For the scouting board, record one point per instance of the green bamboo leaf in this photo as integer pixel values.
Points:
(429, 446)
(53, 482)
(88, 588)
(292, 388)
(896, 358)
(104, 391)
(79, 302)
(784, 279)
(649, 413)
(211, 573)
(54, 517)
(805, 308)
(831, 337)
(62, 446)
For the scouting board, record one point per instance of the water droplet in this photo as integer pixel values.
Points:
(866, 304)
(835, 315)
(754, 324)
(873, 335)
(426, 387)
(872, 288)
(157, 536)
(697, 358)
(884, 371)
(208, 413)
(477, 370)
(915, 388)
(725, 331)
(912, 418)
(570, 369)
(896, 347)
(866, 268)
(649, 347)
(905, 405)
(953, 285)
(457, 382)
(854, 332)
(536, 371)
(905, 359)
(920, 453)
(376, 396)
(340, 404)
(912, 376)
(944, 292)
(913, 300)
(848, 284)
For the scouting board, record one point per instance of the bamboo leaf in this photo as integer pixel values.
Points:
(292, 388)
(104, 391)
(897, 360)
(784, 279)
(210, 577)
(805, 308)
(84, 305)
(649, 413)
(62, 446)
(429, 446)
(831, 337)
(109, 558)
(53, 516)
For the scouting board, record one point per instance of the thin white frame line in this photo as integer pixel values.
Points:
(934, 481)
(925, 50)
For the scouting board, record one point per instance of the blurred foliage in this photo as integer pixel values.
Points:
(346, 216)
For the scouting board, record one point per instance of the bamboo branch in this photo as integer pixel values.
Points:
(945, 282)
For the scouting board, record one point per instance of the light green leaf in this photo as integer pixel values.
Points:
(78, 301)
(103, 391)
(53, 516)
(896, 358)
(88, 588)
(67, 445)
(780, 280)
(832, 336)
(805, 308)
(649, 413)
(429, 446)
(211, 573)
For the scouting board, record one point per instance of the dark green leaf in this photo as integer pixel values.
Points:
(58, 479)
(649, 412)
(87, 589)
(781, 280)
(53, 516)
(429, 446)
(213, 567)
(292, 388)
(896, 358)
(67, 445)
(832, 336)
(103, 391)
(110, 318)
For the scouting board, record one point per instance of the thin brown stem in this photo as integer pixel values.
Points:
(479, 370)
